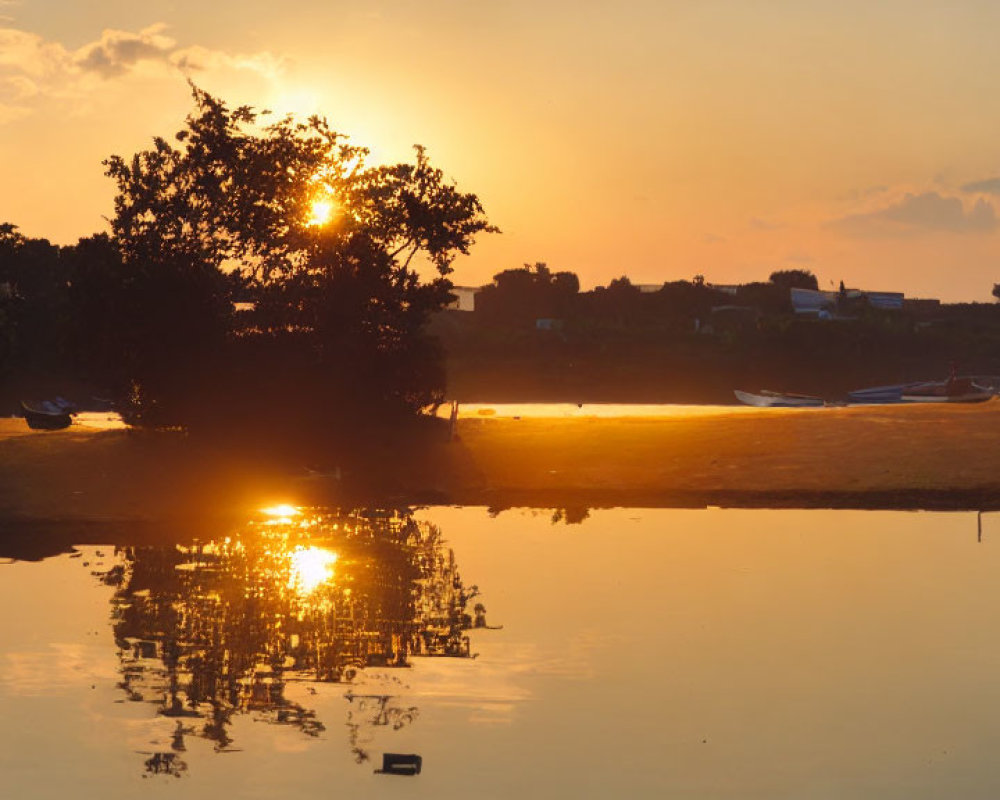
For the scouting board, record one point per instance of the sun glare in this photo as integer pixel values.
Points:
(311, 568)
(282, 510)
(321, 212)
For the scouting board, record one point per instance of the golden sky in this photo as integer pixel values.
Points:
(655, 139)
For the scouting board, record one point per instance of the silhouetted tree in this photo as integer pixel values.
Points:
(102, 318)
(794, 279)
(338, 306)
(33, 300)
(528, 293)
(996, 290)
(685, 301)
(770, 298)
(619, 302)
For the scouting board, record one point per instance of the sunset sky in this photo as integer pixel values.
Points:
(654, 139)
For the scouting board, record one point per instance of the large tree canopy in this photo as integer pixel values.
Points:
(33, 281)
(523, 295)
(794, 278)
(328, 252)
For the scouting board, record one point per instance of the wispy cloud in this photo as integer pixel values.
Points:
(916, 213)
(988, 186)
(764, 224)
(857, 195)
(116, 52)
(33, 68)
(196, 59)
(712, 238)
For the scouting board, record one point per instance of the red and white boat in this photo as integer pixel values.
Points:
(953, 390)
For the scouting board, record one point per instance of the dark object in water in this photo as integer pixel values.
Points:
(400, 764)
(45, 416)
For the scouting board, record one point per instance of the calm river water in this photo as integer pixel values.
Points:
(620, 653)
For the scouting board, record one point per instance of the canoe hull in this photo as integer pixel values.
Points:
(777, 400)
(967, 397)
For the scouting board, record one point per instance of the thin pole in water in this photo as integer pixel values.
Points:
(979, 523)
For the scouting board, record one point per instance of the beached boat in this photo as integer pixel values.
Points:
(884, 394)
(953, 390)
(46, 415)
(769, 399)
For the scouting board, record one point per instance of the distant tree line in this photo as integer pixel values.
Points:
(688, 341)
(522, 295)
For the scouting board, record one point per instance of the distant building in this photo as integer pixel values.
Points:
(885, 300)
(827, 304)
(813, 302)
(649, 288)
(726, 288)
(465, 298)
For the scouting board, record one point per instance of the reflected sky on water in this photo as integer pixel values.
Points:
(592, 410)
(709, 653)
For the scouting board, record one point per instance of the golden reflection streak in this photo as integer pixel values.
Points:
(311, 567)
(283, 512)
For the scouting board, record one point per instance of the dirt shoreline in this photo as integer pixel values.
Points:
(877, 457)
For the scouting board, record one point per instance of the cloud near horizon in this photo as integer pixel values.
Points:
(760, 224)
(988, 186)
(32, 68)
(921, 213)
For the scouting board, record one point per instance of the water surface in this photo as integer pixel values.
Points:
(642, 653)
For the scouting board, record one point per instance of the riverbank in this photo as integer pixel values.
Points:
(907, 456)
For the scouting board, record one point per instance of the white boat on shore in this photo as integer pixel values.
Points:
(768, 399)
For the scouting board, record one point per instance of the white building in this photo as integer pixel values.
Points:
(465, 298)
(825, 304)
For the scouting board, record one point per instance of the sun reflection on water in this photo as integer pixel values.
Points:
(218, 628)
(280, 514)
(311, 567)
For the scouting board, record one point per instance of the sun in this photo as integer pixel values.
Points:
(321, 212)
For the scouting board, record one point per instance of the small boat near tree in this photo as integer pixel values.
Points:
(46, 415)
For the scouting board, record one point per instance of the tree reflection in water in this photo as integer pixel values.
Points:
(219, 628)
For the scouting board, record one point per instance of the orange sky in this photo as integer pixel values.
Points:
(654, 139)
